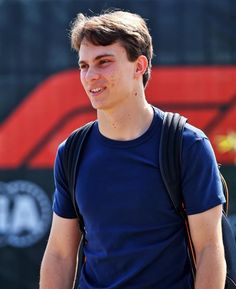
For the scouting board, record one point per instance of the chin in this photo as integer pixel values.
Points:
(98, 103)
(98, 106)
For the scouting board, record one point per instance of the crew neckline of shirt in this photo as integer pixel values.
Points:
(129, 143)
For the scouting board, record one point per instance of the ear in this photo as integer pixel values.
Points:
(141, 65)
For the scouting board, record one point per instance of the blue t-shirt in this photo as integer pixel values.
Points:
(134, 237)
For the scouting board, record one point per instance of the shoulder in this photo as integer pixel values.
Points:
(192, 135)
(196, 145)
(74, 135)
(195, 141)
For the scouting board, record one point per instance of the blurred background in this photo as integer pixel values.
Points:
(42, 101)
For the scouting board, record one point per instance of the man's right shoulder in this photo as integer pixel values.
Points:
(77, 131)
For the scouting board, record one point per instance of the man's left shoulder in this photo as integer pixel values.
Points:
(192, 134)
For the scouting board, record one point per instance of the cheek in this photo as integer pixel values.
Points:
(82, 78)
(114, 80)
(117, 78)
(113, 74)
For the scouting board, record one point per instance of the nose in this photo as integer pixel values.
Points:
(91, 74)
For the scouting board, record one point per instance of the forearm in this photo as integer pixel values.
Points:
(211, 268)
(57, 273)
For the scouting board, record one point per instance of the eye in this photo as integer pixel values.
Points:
(104, 61)
(83, 66)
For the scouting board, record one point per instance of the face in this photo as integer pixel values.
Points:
(107, 75)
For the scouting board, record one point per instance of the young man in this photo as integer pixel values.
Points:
(134, 238)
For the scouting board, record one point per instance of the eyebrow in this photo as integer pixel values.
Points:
(98, 57)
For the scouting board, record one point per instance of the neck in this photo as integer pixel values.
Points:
(126, 123)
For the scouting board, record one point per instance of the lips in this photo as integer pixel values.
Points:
(96, 91)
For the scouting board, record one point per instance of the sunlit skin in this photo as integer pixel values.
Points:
(106, 74)
(115, 88)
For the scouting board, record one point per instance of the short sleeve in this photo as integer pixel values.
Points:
(201, 183)
(62, 203)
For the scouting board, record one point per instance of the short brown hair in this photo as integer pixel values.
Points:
(112, 26)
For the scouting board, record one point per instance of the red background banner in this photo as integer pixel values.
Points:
(206, 95)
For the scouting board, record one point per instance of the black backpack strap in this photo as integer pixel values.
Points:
(170, 156)
(71, 154)
(170, 167)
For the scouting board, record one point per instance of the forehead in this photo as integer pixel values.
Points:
(89, 52)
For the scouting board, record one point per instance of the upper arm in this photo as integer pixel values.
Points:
(64, 237)
(201, 182)
(205, 229)
(62, 202)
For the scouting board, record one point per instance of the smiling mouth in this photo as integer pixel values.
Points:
(96, 91)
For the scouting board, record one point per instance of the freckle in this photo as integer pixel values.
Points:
(136, 94)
